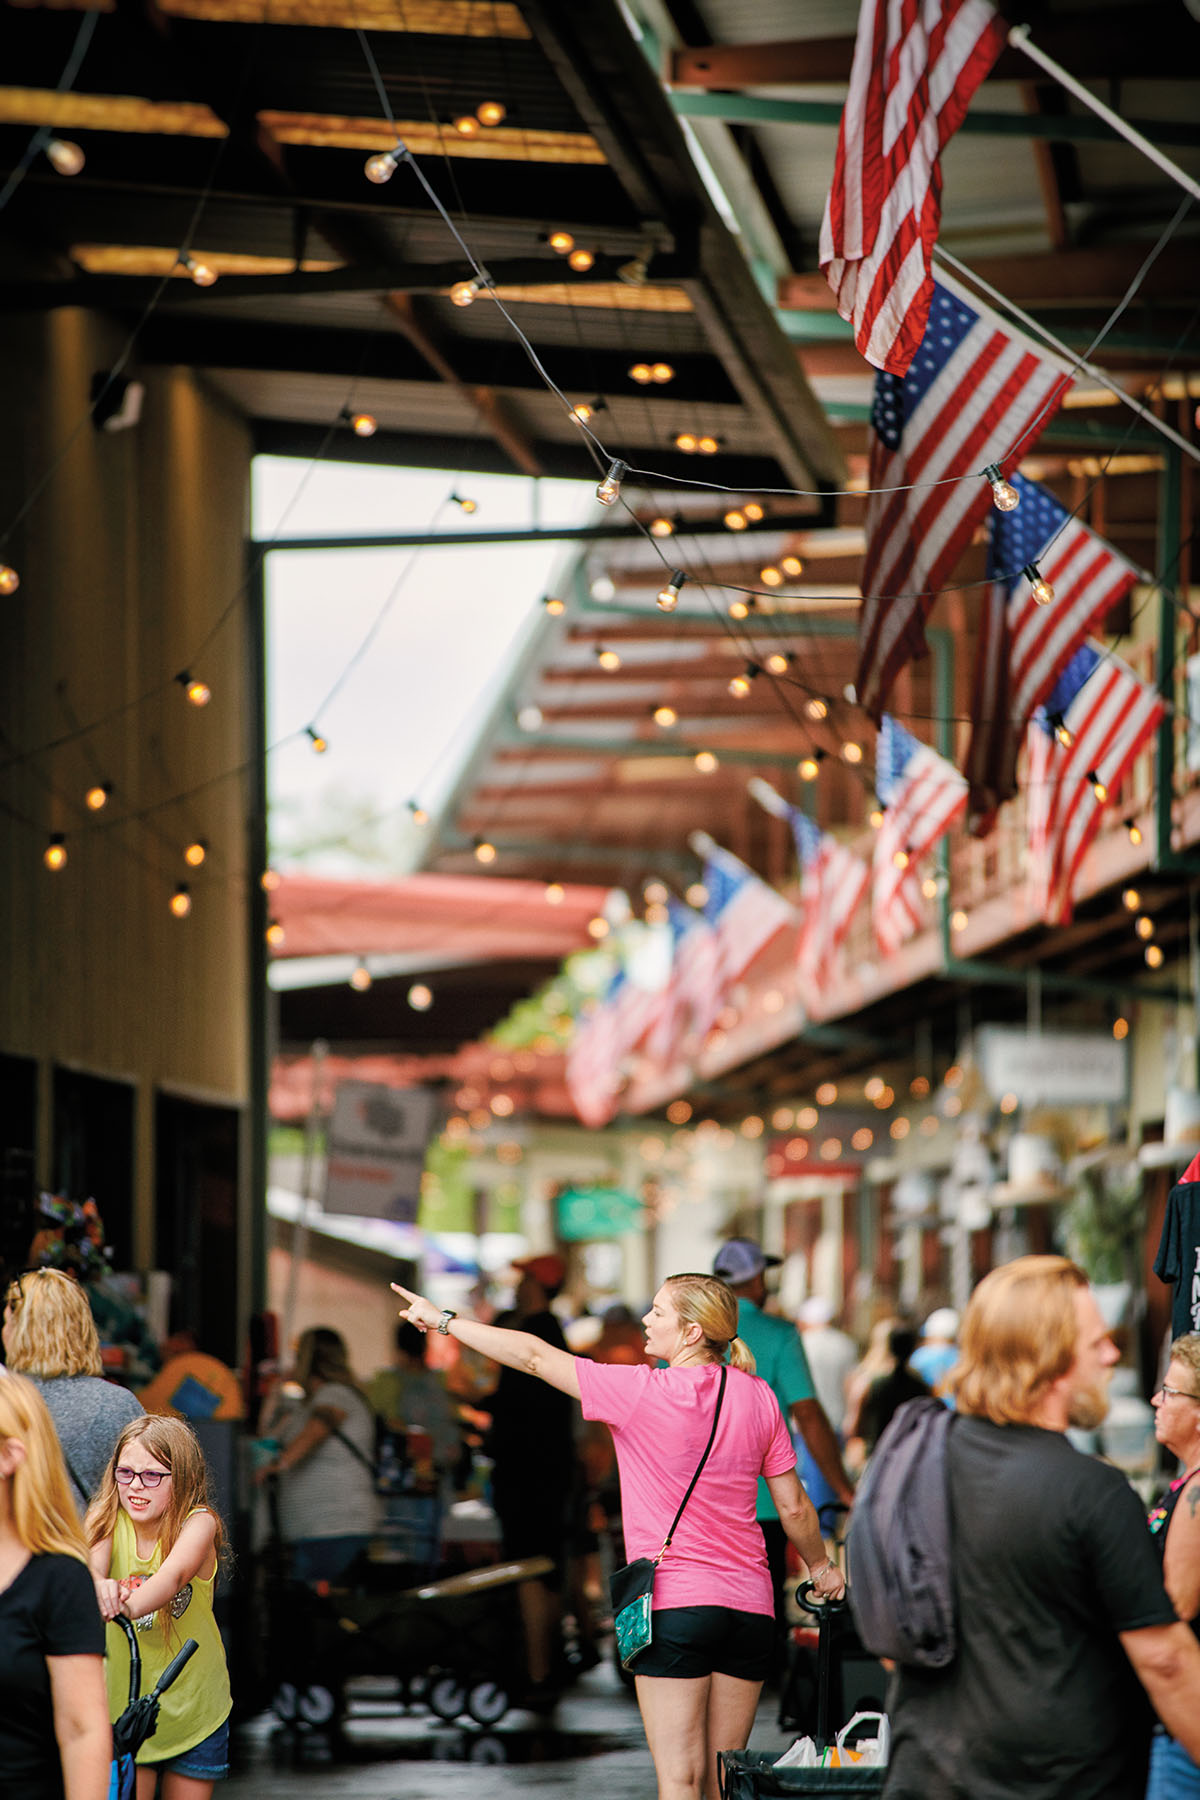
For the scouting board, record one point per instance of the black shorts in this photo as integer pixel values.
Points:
(692, 1641)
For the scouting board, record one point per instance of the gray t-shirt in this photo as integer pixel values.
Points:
(331, 1493)
(89, 1415)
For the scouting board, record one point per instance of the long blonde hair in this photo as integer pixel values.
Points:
(171, 1442)
(41, 1508)
(704, 1301)
(1019, 1334)
(49, 1329)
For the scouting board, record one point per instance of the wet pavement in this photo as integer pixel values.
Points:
(592, 1743)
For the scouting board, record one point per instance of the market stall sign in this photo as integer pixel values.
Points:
(1053, 1068)
(597, 1212)
(377, 1141)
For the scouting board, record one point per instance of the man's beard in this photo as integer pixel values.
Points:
(1089, 1404)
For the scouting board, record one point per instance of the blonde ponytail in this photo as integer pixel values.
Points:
(741, 1356)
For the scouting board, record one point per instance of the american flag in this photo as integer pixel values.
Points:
(602, 1041)
(1022, 646)
(694, 992)
(977, 393)
(744, 912)
(922, 795)
(833, 883)
(917, 64)
(1109, 714)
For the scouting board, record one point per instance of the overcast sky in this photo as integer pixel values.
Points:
(402, 718)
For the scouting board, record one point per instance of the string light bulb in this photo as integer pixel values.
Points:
(770, 576)
(320, 744)
(64, 156)
(901, 858)
(665, 716)
(852, 752)
(465, 293)
(1131, 900)
(491, 112)
(778, 663)
(735, 520)
(10, 581)
(1144, 927)
(642, 373)
(875, 817)
(1134, 830)
(467, 125)
(739, 686)
(581, 261)
(417, 813)
(362, 424)
(1154, 956)
(1062, 731)
(181, 900)
(198, 692)
(420, 996)
(741, 607)
(705, 761)
(195, 853)
(791, 566)
(269, 880)
(708, 445)
(202, 274)
(609, 490)
(667, 598)
(662, 527)
(1120, 1029)
(1099, 788)
(661, 373)
(380, 168)
(464, 503)
(958, 920)
(1005, 497)
(561, 242)
(554, 606)
(598, 927)
(1040, 589)
(808, 768)
(608, 659)
(360, 976)
(817, 708)
(275, 934)
(555, 893)
(929, 887)
(485, 852)
(686, 441)
(98, 797)
(753, 511)
(55, 854)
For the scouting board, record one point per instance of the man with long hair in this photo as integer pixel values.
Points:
(1063, 1624)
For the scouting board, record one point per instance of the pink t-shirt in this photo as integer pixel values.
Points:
(660, 1420)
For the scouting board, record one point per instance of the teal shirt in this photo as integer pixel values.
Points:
(779, 1358)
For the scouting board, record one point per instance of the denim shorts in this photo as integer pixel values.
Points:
(206, 1761)
(691, 1641)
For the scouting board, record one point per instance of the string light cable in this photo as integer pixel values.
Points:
(44, 133)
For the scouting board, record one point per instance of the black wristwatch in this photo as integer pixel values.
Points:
(443, 1324)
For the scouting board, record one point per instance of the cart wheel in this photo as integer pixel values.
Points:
(487, 1702)
(447, 1697)
(489, 1750)
(317, 1705)
(283, 1702)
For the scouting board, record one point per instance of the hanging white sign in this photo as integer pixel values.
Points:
(1053, 1068)
(377, 1141)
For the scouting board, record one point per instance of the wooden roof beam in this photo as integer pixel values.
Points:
(486, 402)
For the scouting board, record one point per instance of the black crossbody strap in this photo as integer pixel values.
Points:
(699, 1466)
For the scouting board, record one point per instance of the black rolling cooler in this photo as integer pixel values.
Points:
(751, 1775)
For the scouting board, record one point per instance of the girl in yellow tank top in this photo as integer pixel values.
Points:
(154, 1549)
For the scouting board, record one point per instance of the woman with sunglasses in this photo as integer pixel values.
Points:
(155, 1550)
(1175, 1525)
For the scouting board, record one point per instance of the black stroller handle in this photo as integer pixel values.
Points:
(175, 1667)
(825, 1609)
(135, 1656)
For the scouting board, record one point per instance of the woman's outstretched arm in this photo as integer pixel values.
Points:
(515, 1349)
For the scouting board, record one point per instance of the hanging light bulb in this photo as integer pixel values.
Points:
(555, 893)
(464, 293)
(739, 687)
(561, 242)
(275, 934)
(661, 528)
(320, 745)
(1120, 1029)
(360, 976)
(642, 373)
(64, 156)
(1144, 927)
(1154, 956)
(485, 852)
(665, 716)
(417, 813)
(1062, 731)
(1134, 830)
(491, 112)
(770, 576)
(929, 887)
(201, 273)
(10, 581)
(98, 797)
(195, 853)
(791, 566)
(554, 606)
(778, 663)
(741, 607)
(735, 519)
(55, 854)
(705, 761)
(598, 927)
(269, 880)
(808, 768)
(901, 858)
(464, 504)
(1131, 900)
(687, 442)
(753, 511)
(875, 817)
(661, 372)
(1039, 587)
(581, 261)
(817, 708)
(667, 598)
(958, 920)
(1004, 495)
(1099, 788)
(382, 167)
(467, 125)
(582, 411)
(852, 752)
(420, 996)
(609, 490)
(198, 692)
(362, 424)
(181, 900)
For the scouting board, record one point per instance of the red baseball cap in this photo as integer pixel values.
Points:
(548, 1270)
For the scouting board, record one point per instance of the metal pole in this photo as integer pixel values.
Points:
(1018, 37)
(312, 1126)
(1169, 528)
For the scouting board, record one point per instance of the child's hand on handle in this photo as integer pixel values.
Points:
(109, 1597)
(418, 1311)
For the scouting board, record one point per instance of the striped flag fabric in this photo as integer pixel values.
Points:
(922, 796)
(1108, 714)
(744, 911)
(833, 882)
(1022, 646)
(694, 993)
(977, 393)
(602, 1041)
(917, 65)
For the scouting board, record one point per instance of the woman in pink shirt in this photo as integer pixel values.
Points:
(699, 1680)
